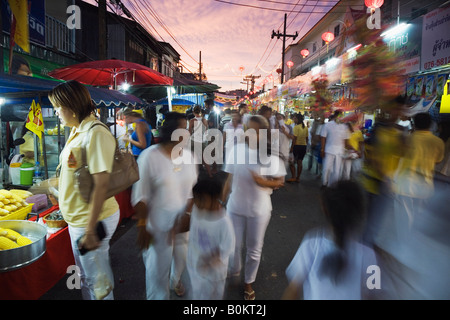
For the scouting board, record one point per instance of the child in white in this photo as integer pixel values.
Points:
(211, 242)
(332, 264)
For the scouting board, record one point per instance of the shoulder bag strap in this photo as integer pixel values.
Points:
(86, 139)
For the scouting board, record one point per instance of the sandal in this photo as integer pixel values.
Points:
(249, 295)
(291, 180)
(179, 289)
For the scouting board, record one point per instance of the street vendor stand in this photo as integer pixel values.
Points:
(34, 280)
(16, 94)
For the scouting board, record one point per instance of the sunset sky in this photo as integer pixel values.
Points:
(228, 33)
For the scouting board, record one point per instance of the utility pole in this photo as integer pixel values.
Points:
(251, 78)
(102, 47)
(284, 35)
(200, 67)
(102, 51)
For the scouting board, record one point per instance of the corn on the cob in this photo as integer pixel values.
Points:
(15, 236)
(23, 241)
(6, 193)
(21, 193)
(6, 244)
(11, 234)
(3, 212)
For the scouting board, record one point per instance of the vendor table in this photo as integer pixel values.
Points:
(32, 281)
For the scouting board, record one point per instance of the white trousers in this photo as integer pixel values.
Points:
(164, 263)
(351, 168)
(95, 267)
(331, 169)
(254, 229)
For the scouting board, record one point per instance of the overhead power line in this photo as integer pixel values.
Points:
(275, 9)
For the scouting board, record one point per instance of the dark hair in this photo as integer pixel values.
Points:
(197, 109)
(344, 206)
(300, 119)
(422, 121)
(263, 123)
(264, 109)
(16, 62)
(74, 96)
(209, 102)
(242, 106)
(171, 123)
(210, 186)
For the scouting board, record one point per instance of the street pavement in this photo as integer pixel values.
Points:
(296, 209)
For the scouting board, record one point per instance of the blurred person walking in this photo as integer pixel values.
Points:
(299, 146)
(141, 138)
(161, 198)
(353, 153)
(413, 186)
(73, 105)
(248, 189)
(233, 131)
(334, 139)
(198, 127)
(331, 262)
(211, 241)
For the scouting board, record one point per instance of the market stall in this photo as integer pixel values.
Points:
(32, 281)
(17, 93)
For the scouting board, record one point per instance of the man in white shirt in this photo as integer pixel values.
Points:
(334, 137)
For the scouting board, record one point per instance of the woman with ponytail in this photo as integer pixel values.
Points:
(331, 263)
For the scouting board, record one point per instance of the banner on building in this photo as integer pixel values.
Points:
(429, 87)
(419, 86)
(436, 39)
(440, 82)
(410, 86)
(36, 20)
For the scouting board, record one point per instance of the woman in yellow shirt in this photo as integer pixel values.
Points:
(72, 103)
(353, 156)
(299, 146)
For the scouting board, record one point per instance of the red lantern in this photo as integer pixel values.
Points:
(304, 53)
(279, 70)
(327, 37)
(373, 4)
(241, 68)
(290, 64)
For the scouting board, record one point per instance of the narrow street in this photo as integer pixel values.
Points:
(296, 209)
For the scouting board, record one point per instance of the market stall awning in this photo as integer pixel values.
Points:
(181, 85)
(177, 102)
(17, 89)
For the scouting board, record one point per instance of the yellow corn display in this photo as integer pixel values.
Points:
(13, 200)
(6, 244)
(14, 236)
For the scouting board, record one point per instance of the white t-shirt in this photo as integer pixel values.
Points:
(210, 232)
(285, 142)
(120, 133)
(304, 268)
(233, 135)
(247, 198)
(335, 135)
(163, 186)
